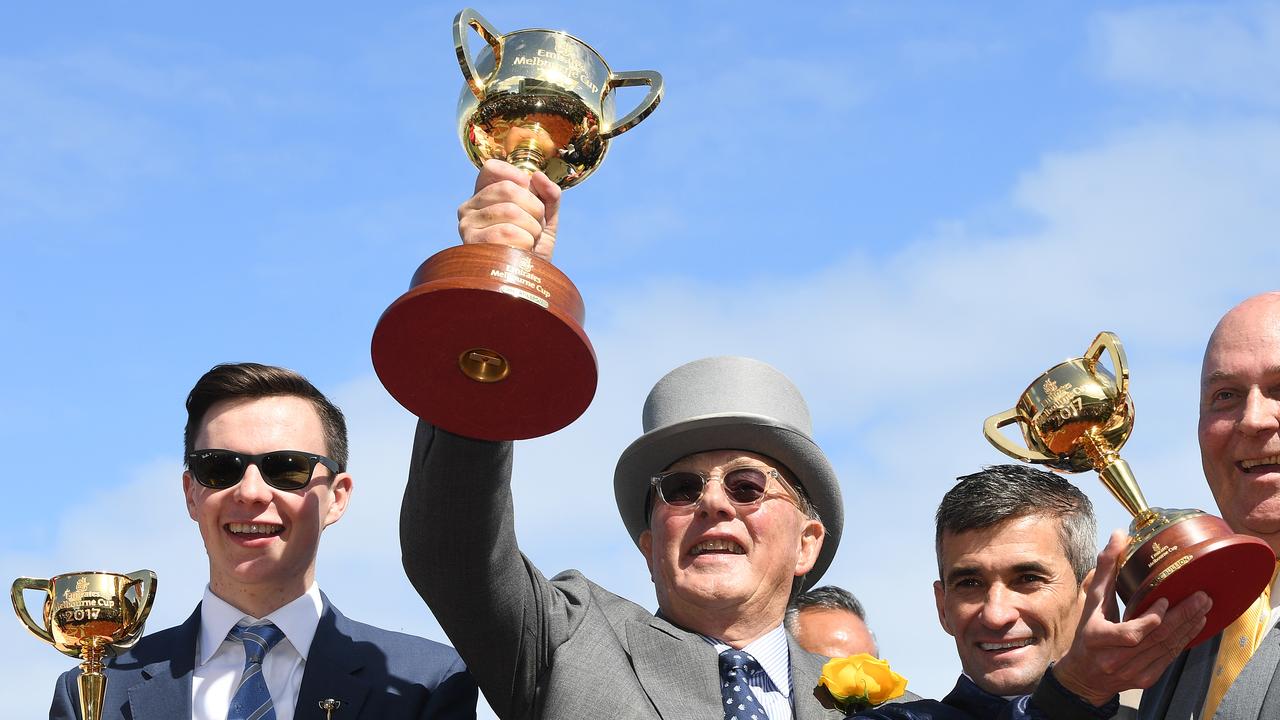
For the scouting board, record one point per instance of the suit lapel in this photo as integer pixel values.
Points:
(806, 668)
(678, 670)
(332, 663)
(1192, 682)
(165, 691)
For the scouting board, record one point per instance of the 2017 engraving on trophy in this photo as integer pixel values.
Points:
(1064, 403)
(1175, 567)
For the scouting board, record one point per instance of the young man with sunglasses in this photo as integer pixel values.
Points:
(266, 457)
(727, 496)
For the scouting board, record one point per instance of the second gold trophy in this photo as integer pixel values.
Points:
(1075, 417)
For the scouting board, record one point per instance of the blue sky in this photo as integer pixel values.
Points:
(911, 209)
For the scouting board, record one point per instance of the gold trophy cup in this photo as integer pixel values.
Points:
(89, 615)
(488, 341)
(1075, 417)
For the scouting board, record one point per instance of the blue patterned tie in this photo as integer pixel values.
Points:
(252, 701)
(739, 703)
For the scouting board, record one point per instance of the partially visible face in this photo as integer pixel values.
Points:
(833, 633)
(262, 541)
(1009, 598)
(715, 557)
(1240, 417)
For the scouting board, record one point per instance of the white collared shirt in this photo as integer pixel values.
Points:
(1274, 618)
(220, 662)
(772, 688)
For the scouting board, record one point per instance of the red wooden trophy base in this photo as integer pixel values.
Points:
(1197, 553)
(488, 343)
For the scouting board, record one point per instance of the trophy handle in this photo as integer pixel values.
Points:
(488, 33)
(646, 106)
(1107, 341)
(144, 583)
(991, 428)
(20, 605)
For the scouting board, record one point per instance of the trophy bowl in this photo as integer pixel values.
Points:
(90, 616)
(1074, 418)
(488, 340)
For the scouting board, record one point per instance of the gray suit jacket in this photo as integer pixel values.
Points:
(558, 649)
(376, 673)
(1179, 693)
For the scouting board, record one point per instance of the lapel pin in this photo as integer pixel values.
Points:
(328, 705)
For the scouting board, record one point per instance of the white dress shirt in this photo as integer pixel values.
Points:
(220, 662)
(1274, 618)
(772, 687)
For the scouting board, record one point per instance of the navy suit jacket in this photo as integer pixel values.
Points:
(376, 674)
(967, 701)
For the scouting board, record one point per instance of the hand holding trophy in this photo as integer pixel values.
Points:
(1075, 417)
(89, 615)
(488, 341)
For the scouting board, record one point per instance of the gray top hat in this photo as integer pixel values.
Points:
(729, 403)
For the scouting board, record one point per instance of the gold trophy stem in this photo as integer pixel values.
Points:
(1117, 476)
(93, 684)
(527, 155)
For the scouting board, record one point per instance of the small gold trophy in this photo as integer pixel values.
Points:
(1075, 417)
(488, 341)
(89, 615)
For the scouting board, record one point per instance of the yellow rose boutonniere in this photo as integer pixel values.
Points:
(861, 681)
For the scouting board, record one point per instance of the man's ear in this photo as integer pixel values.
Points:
(940, 599)
(189, 486)
(646, 549)
(340, 489)
(811, 537)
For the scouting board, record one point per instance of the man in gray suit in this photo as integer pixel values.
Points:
(1240, 450)
(733, 505)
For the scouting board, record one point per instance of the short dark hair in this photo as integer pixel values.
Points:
(827, 597)
(249, 381)
(1007, 492)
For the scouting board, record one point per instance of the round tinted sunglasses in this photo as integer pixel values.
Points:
(281, 469)
(743, 486)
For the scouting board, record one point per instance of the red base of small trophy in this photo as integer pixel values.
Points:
(488, 343)
(1198, 553)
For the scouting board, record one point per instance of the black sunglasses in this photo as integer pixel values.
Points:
(743, 486)
(281, 469)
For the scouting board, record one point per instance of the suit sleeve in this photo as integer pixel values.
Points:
(454, 697)
(64, 700)
(457, 536)
(1052, 701)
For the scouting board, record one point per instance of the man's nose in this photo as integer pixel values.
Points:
(252, 488)
(998, 608)
(1261, 413)
(714, 500)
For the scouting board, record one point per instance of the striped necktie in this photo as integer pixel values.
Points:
(252, 700)
(1241, 638)
(739, 702)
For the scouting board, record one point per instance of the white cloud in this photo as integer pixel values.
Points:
(1228, 51)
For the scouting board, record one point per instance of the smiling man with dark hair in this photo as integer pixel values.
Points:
(266, 458)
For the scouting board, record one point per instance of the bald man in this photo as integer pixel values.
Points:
(1240, 450)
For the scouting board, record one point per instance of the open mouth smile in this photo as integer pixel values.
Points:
(254, 530)
(717, 547)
